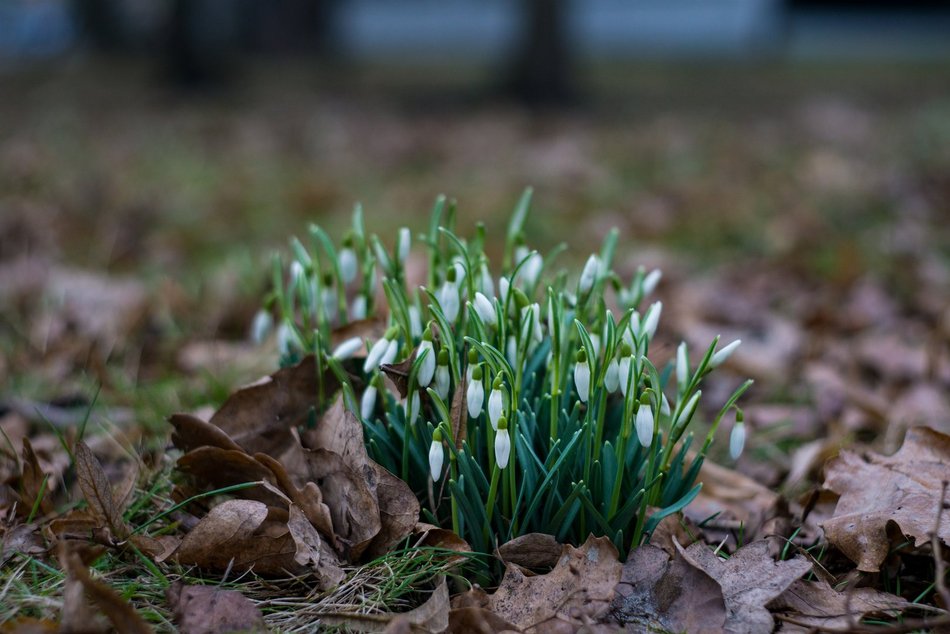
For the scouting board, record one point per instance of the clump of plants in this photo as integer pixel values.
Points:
(512, 399)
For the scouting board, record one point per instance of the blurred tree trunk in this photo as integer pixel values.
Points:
(542, 73)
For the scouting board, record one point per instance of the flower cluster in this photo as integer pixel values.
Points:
(533, 408)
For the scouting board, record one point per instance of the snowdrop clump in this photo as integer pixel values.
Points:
(533, 409)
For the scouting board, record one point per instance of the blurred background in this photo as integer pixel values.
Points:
(786, 162)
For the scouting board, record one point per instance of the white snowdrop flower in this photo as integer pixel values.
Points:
(551, 316)
(427, 365)
(612, 376)
(358, 308)
(475, 396)
(442, 378)
(328, 301)
(625, 297)
(390, 355)
(625, 367)
(644, 422)
(348, 262)
(720, 356)
(496, 402)
(737, 437)
(472, 362)
(379, 350)
(261, 326)
(521, 252)
(665, 406)
(534, 322)
(347, 348)
(651, 280)
(588, 275)
(485, 309)
(449, 296)
(582, 375)
(688, 409)
(296, 272)
(286, 339)
(459, 266)
(503, 286)
(511, 350)
(485, 282)
(436, 455)
(403, 244)
(412, 405)
(502, 444)
(532, 270)
(415, 321)
(682, 366)
(368, 402)
(633, 331)
(652, 319)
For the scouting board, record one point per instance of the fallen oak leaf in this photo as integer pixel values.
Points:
(580, 588)
(243, 535)
(97, 490)
(816, 604)
(664, 592)
(749, 579)
(906, 491)
(211, 610)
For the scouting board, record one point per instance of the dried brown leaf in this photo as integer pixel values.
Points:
(121, 615)
(459, 413)
(24, 538)
(663, 593)
(398, 511)
(308, 497)
(580, 588)
(350, 494)
(398, 374)
(536, 551)
(431, 616)
(312, 551)
(906, 491)
(98, 490)
(749, 579)
(34, 483)
(817, 604)
(192, 432)
(211, 610)
(341, 432)
(475, 620)
(241, 534)
(214, 468)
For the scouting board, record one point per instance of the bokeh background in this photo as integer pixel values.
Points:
(786, 162)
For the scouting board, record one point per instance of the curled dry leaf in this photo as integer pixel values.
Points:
(749, 579)
(241, 534)
(661, 592)
(816, 604)
(535, 551)
(308, 497)
(215, 468)
(120, 614)
(23, 538)
(312, 551)
(906, 491)
(398, 512)
(398, 374)
(579, 589)
(192, 432)
(211, 610)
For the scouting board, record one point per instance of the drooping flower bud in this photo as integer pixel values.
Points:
(651, 280)
(415, 321)
(347, 261)
(665, 406)
(442, 379)
(261, 326)
(502, 444)
(737, 437)
(358, 308)
(475, 395)
(682, 366)
(485, 282)
(436, 455)
(380, 350)
(427, 365)
(472, 362)
(511, 351)
(644, 421)
(612, 376)
(625, 367)
(287, 340)
(413, 404)
(652, 319)
(296, 273)
(347, 348)
(687, 412)
(588, 275)
(720, 357)
(449, 295)
(485, 309)
(496, 401)
(402, 245)
(368, 402)
(582, 375)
